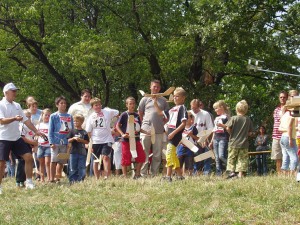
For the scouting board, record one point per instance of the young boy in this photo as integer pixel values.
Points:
(122, 128)
(60, 124)
(239, 127)
(177, 121)
(98, 128)
(184, 154)
(78, 139)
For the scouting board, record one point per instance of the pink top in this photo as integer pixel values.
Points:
(277, 115)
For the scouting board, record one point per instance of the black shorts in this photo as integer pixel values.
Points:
(102, 149)
(188, 162)
(18, 147)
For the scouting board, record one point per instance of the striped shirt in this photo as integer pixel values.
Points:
(277, 115)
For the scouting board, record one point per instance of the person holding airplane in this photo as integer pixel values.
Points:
(150, 117)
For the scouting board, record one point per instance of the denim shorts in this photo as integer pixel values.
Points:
(43, 151)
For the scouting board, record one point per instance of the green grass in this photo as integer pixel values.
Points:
(196, 200)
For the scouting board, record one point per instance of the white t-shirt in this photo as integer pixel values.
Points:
(203, 120)
(25, 131)
(10, 132)
(43, 128)
(98, 124)
(81, 108)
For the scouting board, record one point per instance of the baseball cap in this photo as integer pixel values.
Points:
(9, 86)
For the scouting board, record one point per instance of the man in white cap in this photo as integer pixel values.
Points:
(11, 114)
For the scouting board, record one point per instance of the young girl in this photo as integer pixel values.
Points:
(220, 138)
(60, 124)
(44, 151)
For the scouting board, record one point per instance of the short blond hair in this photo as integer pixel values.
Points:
(46, 110)
(180, 91)
(242, 107)
(293, 93)
(79, 117)
(95, 101)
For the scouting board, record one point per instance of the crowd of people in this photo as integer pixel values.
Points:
(147, 136)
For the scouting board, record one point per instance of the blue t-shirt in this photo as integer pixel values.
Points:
(60, 124)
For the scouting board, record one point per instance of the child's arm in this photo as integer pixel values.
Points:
(118, 127)
(228, 129)
(191, 134)
(211, 142)
(78, 139)
(81, 140)
(178, 129)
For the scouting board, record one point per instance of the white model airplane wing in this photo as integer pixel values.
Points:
(203, 135)
(166, 93)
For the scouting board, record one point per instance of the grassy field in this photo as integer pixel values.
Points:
(196, 200)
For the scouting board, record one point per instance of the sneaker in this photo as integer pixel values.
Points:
(17, 184)
(231, 175)
(22, 184)
(180, 178)
(29, 185)
(166, 178)
(137, 177)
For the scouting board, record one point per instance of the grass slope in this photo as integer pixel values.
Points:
(196, 200)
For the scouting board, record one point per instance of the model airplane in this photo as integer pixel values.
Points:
(131, 131)
(89, 153)
(166, 93)
(152, 132)
(98, 160)
(171, 98)
(189, 144)
(203, 135)
(205, 155)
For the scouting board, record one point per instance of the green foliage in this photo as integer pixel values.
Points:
(49, 48)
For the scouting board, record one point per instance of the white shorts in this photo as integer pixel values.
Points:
(117, 147)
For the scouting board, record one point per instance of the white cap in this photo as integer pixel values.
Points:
(9, 86)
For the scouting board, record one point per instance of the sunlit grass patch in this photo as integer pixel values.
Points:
(196, 200)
